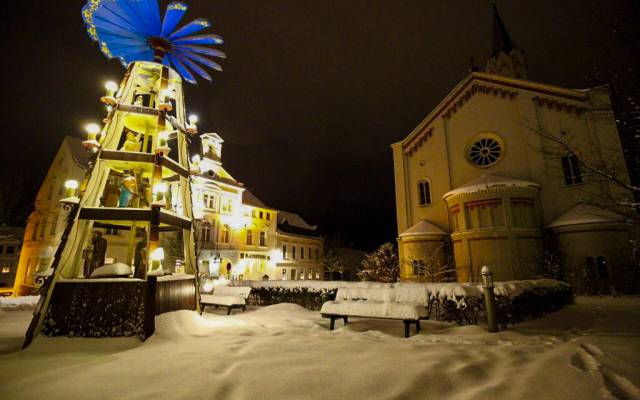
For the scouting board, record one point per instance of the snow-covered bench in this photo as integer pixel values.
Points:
(226, 296)
(405, 304)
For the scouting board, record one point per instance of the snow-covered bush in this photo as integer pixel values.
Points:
(462, 303)
(381, 265)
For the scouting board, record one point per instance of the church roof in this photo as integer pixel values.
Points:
(423, 227)
(495, 81)
(488, 181)
(501, 41)
(586, 214)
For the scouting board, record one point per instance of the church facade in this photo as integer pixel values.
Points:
(480, 181)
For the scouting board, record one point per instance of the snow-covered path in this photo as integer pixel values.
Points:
(588, 351)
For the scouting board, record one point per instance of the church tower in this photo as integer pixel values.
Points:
(505, 59)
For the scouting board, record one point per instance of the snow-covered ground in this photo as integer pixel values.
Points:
(590, 350)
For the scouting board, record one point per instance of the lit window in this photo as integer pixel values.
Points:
(249, 237)
(205, 232)
(224, 234)
(263, 239)
(571, 170)
(424, 192)
(6, 269)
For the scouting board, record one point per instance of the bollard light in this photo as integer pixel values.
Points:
(489, 299)
(111, 88)
(192, 126)
(487, 277)
(92, 130)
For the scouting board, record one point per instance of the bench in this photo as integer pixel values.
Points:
(387, 303)
(226, 296)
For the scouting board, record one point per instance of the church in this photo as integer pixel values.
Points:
(481, 180)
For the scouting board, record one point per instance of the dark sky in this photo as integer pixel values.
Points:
(313, 92)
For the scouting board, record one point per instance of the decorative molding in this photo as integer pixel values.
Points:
(478, 88)
(562, 106)
(419, 141)
(483, 203)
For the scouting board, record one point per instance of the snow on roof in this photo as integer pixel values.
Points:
(250, 199)
(423, 227)
(293, 219)
(213, 136)
(586, 214)
(486, 182)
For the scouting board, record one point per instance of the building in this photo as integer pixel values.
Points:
(10, 246)
(45, 224)
(237, 235)
(478, 179)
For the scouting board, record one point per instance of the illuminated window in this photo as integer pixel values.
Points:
(224, 234)
(424, 192)
(263, 239)
(6, 269)
(284, 273)
(205, 232)
(249, 237)
(208, 200)
(571, 170)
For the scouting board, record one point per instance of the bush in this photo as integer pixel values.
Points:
(461, 303)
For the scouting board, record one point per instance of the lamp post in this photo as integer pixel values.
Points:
(489, 299)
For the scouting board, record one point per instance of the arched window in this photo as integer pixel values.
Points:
(424, 192)
(571, 170)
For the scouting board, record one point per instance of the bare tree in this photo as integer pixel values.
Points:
(381, 265)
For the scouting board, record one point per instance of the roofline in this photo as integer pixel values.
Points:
(570, 94)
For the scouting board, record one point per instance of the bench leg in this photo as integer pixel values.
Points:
(406, 328)
(201, 308)
(244, 308)
(229, 310)
(345, 319)
(418, 326)
(332, 324)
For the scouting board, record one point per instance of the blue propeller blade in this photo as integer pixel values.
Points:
(172, 17)
(192, 27)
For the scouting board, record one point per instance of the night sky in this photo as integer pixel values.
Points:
(313, 92)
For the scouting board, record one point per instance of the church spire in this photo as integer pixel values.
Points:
(505, 58)
(501, 39)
